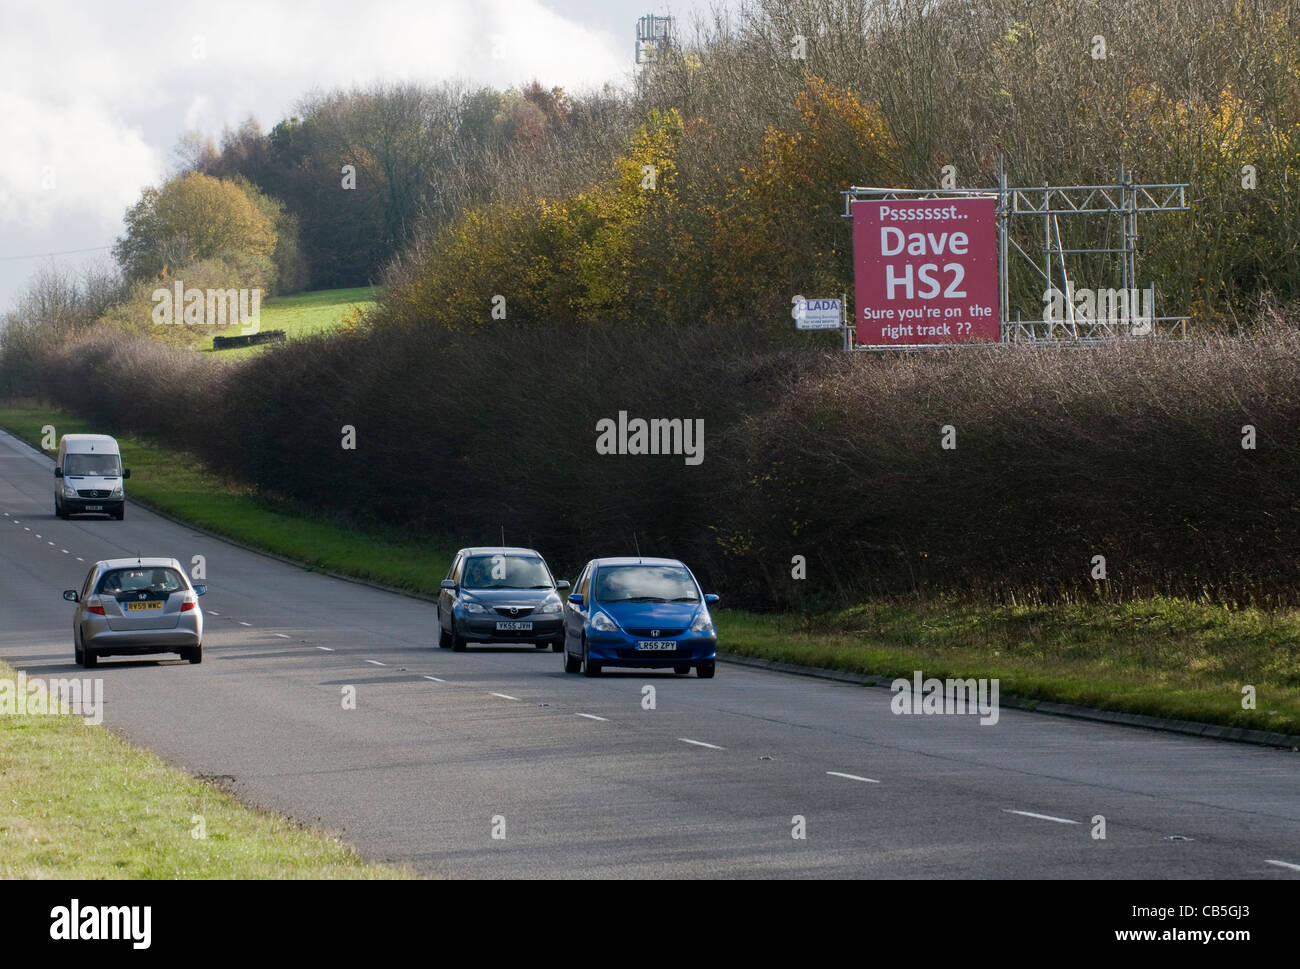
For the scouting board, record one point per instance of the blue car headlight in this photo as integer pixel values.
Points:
(602, 623)
(703, 624)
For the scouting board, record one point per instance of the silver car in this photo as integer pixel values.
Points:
(127, 607)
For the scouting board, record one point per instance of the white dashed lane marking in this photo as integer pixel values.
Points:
(374, 662)
(1041, 817)
(326, 648)
(283, 636)
(852, 777)
(505, 696)
(592, 716)
(1281, 864)
(435, 679)
(700, 743)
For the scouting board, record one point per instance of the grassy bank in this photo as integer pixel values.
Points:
(303, 314)
(80, 802)
(1159, 656)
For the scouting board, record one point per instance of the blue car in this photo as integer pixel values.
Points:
(638, 612)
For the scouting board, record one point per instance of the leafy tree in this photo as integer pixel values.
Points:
(196, 217)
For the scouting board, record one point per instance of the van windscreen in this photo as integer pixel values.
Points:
(106, 465)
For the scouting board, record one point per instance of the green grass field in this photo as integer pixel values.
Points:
(1163, 657)
(303, 314)
(80, 802)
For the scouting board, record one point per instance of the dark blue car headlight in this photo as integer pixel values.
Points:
(703, 624)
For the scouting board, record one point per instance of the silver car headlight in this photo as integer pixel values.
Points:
(703, 622)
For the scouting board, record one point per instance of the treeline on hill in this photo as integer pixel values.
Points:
(709, 191)
(1135, 454)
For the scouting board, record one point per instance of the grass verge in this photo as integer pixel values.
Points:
(80, 802)
(1162, 657)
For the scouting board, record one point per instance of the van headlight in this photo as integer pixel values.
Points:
(116, 492)
(69, 491)
(703, 623)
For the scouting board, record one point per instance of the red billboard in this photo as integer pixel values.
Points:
(925, 271)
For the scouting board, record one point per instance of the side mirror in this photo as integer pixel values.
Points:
(126, 473)
(71, 595)
(448, 584)
(58, 472)
(562, 584)
(200, 590)
(576, 599)
(710, 598)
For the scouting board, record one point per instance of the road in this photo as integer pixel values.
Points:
(445, 749)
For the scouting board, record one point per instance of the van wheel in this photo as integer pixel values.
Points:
(120, 513)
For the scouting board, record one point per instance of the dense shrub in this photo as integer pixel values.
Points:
(1130, 452)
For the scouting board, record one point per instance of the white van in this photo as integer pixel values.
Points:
(89, 477)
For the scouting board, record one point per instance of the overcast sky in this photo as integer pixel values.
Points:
(95, 95)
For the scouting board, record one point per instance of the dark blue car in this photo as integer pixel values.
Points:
(638, 612)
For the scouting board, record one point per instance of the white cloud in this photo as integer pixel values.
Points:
(69, 156)
(102, 92)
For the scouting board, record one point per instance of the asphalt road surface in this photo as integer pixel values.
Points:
(444, 749)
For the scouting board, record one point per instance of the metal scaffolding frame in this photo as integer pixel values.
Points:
(1124, 199)
(655, 36)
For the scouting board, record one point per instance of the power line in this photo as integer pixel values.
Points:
(65, 252)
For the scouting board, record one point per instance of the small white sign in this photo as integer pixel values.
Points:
(817, 314)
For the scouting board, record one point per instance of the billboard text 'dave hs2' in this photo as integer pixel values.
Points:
(925, 271)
